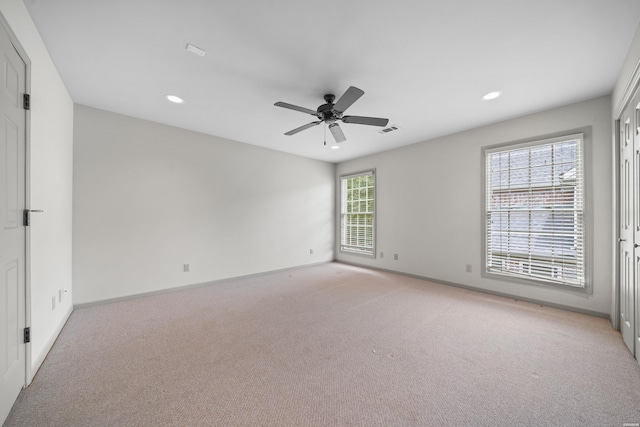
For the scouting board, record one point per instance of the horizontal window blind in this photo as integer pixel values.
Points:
(535, 211)
(358, 213)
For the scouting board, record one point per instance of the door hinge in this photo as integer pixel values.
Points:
(26, 101)
(26, 216)
(27, 335)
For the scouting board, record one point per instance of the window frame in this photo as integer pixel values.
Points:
(342, 213)
(584, 134)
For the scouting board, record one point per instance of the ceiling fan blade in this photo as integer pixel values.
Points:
(337, 133)
(349, 97)
(301, 128)
(359, 120)
(295, 107)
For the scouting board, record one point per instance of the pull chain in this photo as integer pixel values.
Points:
(325, 134)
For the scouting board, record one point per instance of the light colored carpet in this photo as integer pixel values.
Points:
(332, 345)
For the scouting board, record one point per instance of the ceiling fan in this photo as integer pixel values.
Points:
(330, 113)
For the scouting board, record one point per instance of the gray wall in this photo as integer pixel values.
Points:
(149, 198)
(429, 208)
(49, 177)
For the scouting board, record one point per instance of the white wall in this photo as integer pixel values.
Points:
(429, 204)
(149, 198)
(50, 184)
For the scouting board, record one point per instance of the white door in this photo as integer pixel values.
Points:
(626, 249)
(636, 221)
(12, 231)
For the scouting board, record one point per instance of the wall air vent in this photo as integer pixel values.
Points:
(388, 129)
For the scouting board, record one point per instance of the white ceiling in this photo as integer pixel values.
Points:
(424, 64)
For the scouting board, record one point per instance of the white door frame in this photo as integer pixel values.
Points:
(615, 297)
(632, 85)
(27, 185)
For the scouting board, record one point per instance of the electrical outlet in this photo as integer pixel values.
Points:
(310, 251)
(186, 268)
(381, 255)
(59, 295)
(53, 302)
(468, 268)
(395, 257)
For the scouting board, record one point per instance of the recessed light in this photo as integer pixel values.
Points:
(175, 99)
(492, 95)
(335, 147)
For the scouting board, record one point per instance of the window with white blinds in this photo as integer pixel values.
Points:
(357, 222)
(534, 204)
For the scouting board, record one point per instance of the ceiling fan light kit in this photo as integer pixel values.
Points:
(331, 113)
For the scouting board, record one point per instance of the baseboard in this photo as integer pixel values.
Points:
(487, 291)
(195, 285)
(35, 366)
(613, 325)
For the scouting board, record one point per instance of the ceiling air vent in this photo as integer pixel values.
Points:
(389, 129)
(195, 50)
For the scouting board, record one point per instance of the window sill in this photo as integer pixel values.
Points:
(535, 282)
(358, 253)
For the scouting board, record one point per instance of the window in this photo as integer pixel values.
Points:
(357, 222)
(534, 204)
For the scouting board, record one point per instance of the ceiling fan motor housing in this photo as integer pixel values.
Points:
(326, 111)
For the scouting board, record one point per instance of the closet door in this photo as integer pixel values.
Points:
(626, 236)
(636, 224)
(12, 231)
